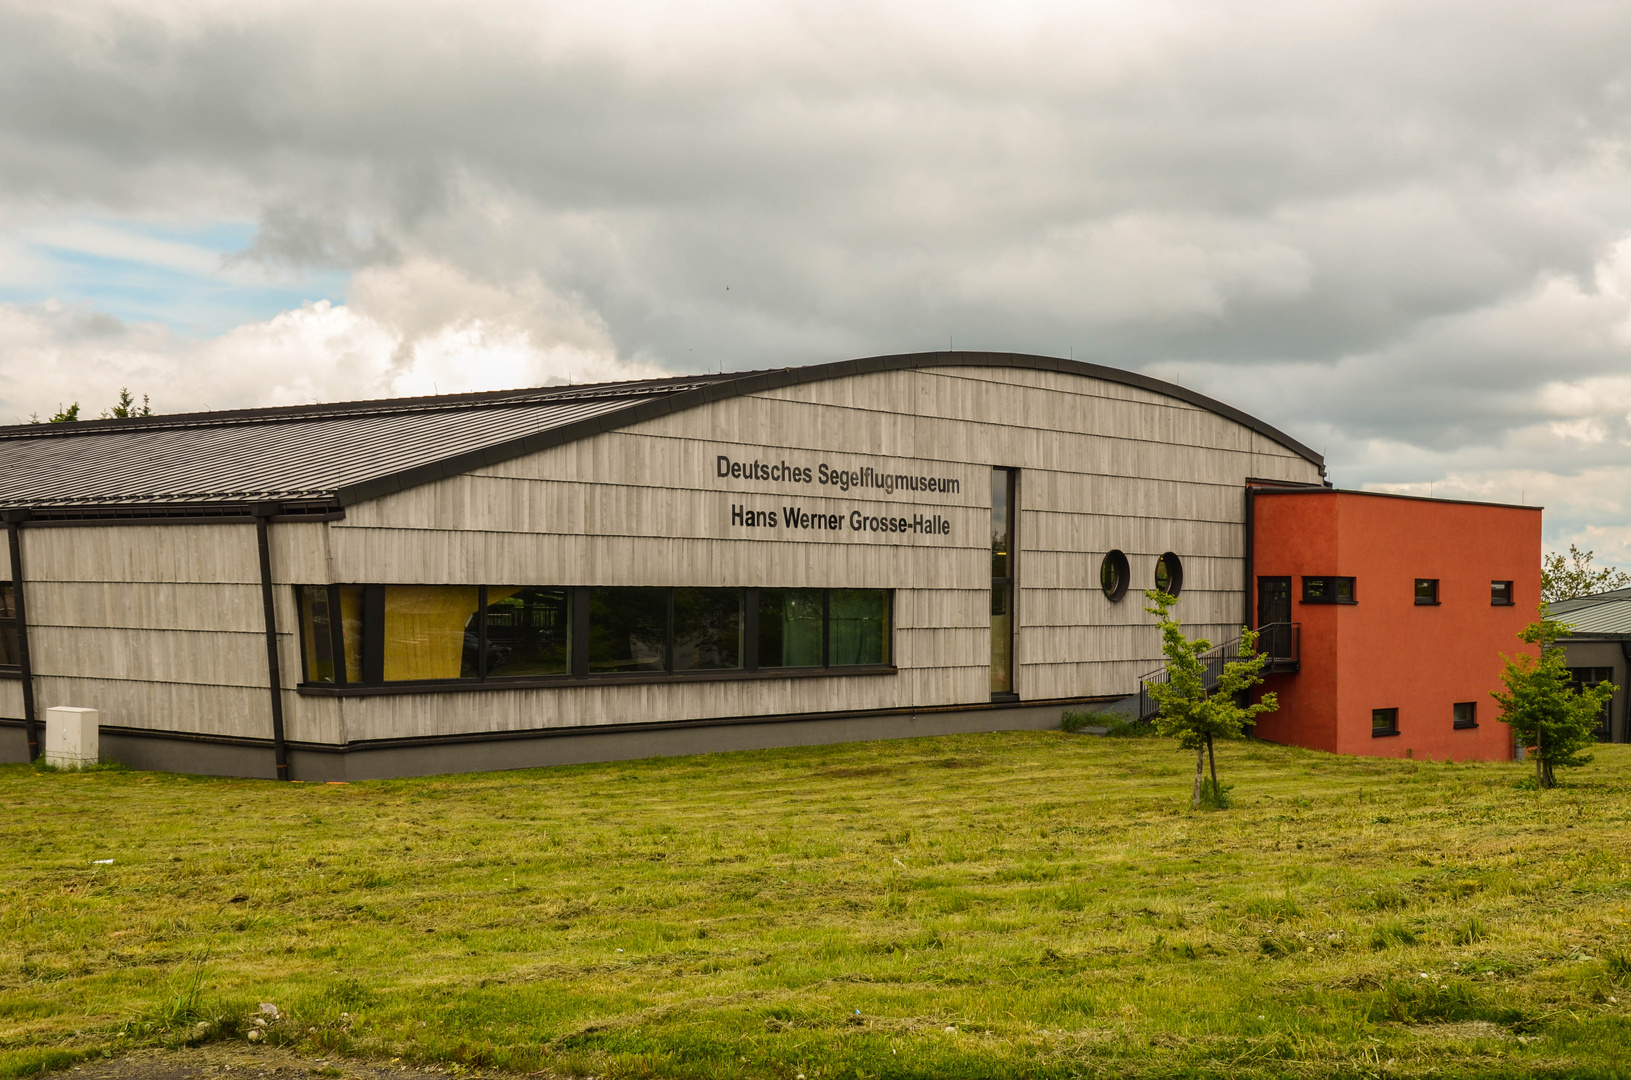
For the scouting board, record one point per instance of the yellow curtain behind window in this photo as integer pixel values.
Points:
(424, 630)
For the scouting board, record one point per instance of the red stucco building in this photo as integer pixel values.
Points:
(1397, 609)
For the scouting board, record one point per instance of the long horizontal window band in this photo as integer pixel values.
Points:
(357, 637)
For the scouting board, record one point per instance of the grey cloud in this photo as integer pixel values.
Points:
(1343, 216)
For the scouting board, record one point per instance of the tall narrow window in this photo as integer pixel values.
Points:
(331, 633)
(9, 655)
(1002, 581)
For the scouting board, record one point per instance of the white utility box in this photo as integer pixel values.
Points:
(73, 737)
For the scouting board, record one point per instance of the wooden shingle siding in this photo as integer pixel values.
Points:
(1102, 465)
(161, 626)
(157, 626)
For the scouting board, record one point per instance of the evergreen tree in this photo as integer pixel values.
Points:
(1549, 717)
(1187, 711)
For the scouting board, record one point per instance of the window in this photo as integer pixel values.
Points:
(708, 628)
(1582, 678)
(1169, 574)
(430, 632)
(858, 627)
(1328, 590)
(1500, 594)
(369, 635)
(529, 632)
(1427, 591)
(1002, 581)
(10, 654)
(1384, 722)
(790, 627)
(330, 628)
(628, 630)
(1113, 575)
(1465, 713)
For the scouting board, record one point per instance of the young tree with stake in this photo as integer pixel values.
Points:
(1187, 711)
(1549, 718)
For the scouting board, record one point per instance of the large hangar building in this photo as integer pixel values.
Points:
(902, 545)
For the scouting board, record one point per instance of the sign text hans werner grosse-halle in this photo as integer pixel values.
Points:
(865, 478)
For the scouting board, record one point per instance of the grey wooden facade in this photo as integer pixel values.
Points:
(161, 627)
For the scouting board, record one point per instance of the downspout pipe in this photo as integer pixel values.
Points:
(263, 524)
(14, 538)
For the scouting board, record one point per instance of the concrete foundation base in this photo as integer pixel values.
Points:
(175, 752)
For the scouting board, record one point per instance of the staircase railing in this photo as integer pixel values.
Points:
(1282, 642)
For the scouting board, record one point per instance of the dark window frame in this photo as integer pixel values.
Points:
(1117, 559)
(1508, 602)
(1462, 725)
(1393, 723)
(578, 674)
(13, 671)
(1431, 600)
(1332, 596)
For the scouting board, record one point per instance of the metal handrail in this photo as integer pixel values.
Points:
(1282, 642)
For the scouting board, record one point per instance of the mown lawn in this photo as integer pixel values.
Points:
(1027, 904)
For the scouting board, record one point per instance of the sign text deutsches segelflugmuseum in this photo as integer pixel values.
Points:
(824, 519)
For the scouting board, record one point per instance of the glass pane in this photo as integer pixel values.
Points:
(529, 631)
(317, 632)
(1466, 713)
(430, 632)
(1163, 575)
(1113, 574)
(628, 629)
(707, 629)
(1382, 719)
(351, 630)
(1426, 588)
(1002, 640)
(8, 605)
(860, 627)
(789, 628)
(1500, 592)
(1344, 588)
(9, 656)
(1001, 522)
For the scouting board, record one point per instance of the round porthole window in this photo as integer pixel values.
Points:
(1113, 575)
(1169, 574)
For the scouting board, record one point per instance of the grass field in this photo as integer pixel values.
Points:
(1026, 904)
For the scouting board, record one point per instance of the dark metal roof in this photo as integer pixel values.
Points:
(1606, 614)
(344, 453)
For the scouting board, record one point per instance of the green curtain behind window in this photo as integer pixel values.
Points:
(860, 626)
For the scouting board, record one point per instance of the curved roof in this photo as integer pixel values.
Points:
(334, 455)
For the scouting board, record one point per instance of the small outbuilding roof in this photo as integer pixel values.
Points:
(312, 458)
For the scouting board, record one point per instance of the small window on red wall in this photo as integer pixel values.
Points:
(1500, 594)
(1466, 714)
(1328, 590)
(1384, 722)
(1427, 591)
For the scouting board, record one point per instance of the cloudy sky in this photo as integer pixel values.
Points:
(1401, 232)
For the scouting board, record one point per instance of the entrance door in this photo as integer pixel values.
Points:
(1274, 606)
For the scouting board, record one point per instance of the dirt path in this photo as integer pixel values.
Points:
(224, 1060)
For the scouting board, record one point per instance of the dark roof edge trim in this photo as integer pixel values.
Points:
(1389, 495)
(760, 381)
